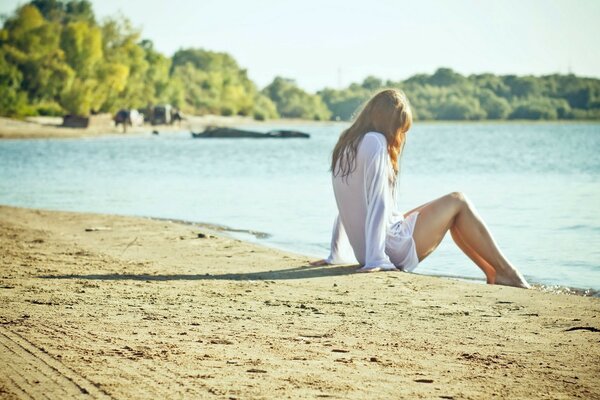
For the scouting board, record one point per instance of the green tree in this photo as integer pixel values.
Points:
(460, 109)
(372, 83)
(65, 11)
(13, 101)
(293, 102)
(264, 108)
(446, 77)
(122, 52)
(159, 88)
(215, 83)
(55, 58)
(523, 86)
(32, 45)
(495, 107)
(534, 108)
(343, 104)
(491, 82)
(82, 45)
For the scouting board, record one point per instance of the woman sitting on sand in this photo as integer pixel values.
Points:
(364, 169)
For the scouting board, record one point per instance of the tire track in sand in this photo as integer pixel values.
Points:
(129, 364)
(30, 372)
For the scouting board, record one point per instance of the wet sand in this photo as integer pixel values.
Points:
(117, 307)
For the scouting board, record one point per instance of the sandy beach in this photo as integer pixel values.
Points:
(97, 306)
(50, 127)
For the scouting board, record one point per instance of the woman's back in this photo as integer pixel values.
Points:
(365, 201)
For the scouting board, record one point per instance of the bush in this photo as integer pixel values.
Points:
(259, 116)
(293, 102)
(534, 110)
(264, 108)
(460, 109)
(495, 107)
(49, 109)
(226, 111)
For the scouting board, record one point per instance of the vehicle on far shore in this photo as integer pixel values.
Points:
(129, 117)
(161, 114)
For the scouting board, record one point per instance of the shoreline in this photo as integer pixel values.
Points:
(50, 128)
(90, 303)
(254, 237)
(227, 230)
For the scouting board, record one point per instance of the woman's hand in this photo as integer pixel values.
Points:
(319, 263)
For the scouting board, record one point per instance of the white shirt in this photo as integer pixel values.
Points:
(366, 206)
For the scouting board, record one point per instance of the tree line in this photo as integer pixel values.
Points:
(448, 95)
(57, 59)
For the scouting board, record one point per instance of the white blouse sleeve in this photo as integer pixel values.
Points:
(341, 251)
(377, 195)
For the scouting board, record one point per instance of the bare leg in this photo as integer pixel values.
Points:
(488, 270)
(454, 212)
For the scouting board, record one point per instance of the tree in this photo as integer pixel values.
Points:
(537, 108)
(65, 11)
(523, 86)
(13, 101)
(460, 109)
(495, 107)
(82, 45)
(32, 45)
(293, 102)
(372, 83)
(491, 82)
(121, 49)
(343, 104)
(159, 88)
(446, 77)
(55, 58)
(216, 84)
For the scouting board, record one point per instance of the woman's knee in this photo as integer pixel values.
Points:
(458, 197)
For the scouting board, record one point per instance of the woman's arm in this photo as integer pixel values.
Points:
(340, 247)
(340, 252)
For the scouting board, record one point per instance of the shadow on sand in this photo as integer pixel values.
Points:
(304, 272)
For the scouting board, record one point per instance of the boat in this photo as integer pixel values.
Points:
(230, 133)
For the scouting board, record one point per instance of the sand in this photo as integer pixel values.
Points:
(50, 127)
(97, 306)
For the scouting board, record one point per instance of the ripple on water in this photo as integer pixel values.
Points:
(558, 289)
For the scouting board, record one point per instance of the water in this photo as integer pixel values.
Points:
(536, 185)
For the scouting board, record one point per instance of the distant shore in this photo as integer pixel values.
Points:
(50, 127)
(90, 303)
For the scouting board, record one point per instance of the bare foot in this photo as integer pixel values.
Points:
(511, 277)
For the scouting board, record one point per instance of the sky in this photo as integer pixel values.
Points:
(332, 43)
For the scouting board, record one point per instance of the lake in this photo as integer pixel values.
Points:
(537, 185)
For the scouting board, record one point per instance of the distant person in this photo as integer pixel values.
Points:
(176, 116)
(364, 169)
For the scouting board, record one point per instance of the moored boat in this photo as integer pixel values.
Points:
(223, 132)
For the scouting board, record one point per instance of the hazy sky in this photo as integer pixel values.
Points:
(324, 43)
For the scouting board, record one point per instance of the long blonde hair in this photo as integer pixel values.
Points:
(388, 112)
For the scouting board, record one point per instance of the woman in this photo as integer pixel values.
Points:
(364, 167)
